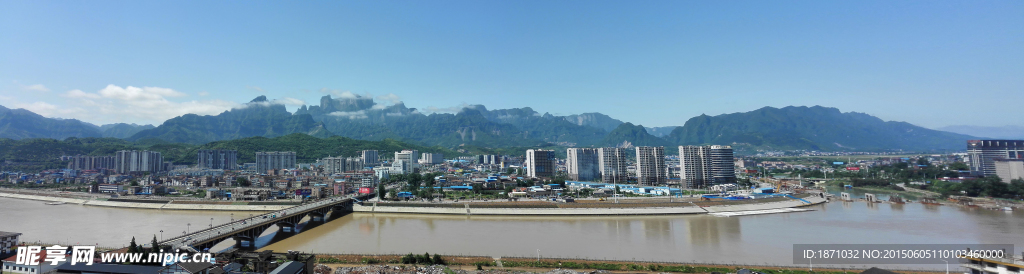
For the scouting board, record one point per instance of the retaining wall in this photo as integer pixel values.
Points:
(368, 207)
(168, 206)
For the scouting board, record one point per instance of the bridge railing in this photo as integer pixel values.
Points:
(257, 220)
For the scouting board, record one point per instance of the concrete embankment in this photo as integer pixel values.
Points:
(167, 206)
(469, 210)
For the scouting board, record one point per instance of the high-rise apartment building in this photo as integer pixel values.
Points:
(409, 156)
(334, 165)
(370, 158)
(540, 163)
(723, 168)
(583, 164)
(983, 153)
(700, 166)
(274, 160)
(218, 159)
(432, 158)
(92, 162)
(488, 159)
(612, 164)
(695, 166)
(138, 161)
(650, 166)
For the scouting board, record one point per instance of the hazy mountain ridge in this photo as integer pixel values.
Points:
(21, 124)
(817, 128)
(256, 118)
(810, 128)
(1003, 132)
(123, 130)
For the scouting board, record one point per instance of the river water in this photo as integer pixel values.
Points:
(755, 239)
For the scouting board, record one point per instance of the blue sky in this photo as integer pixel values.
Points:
(656, 63)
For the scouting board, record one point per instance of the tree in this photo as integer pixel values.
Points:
(958, 166)
(242, 181)
(155, 247)
(381, 190)
(437, 259)
(133, 247)
(1017, 187)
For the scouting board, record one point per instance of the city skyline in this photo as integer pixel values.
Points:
(120, 62)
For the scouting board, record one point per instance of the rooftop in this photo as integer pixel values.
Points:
(8, 234)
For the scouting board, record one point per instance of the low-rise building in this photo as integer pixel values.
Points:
(8, 241)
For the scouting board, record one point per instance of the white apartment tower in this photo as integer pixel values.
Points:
(695, 165)
(432, 158)
(650, 165)
(274, 160)
(138, 161)
(540, 163)
(409, 156)
(612, 164)
(583, 164)
(700, 166)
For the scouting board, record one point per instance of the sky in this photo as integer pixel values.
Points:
(655, 63)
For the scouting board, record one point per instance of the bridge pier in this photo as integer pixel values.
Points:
(316, 217)
(286, 227)
(244, 243)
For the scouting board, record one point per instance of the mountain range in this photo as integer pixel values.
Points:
(1003, 132)
(357, 117)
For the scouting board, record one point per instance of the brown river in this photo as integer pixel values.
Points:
(754, 239)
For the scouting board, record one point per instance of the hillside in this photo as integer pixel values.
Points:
(122, 130)
(1003, 132)
(812, 128)
(21, 124)
(257, 118)
(627, 134)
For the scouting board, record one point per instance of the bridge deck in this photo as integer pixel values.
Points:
(227, 230)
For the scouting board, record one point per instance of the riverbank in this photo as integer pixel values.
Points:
(143, 204)
(585, 209)
(468, 264)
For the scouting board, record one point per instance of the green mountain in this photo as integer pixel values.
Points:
(628, 134)
(122, 130)
(812, 128)
(593, 119)
(359, 118)
(257, 118)
(20, 124)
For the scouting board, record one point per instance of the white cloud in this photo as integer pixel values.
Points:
(255, 88)
(36, 87)
(288, 101)
(454, 109)
(337, 93)
(203, 93)
(390, 97)
(361, 114)
(144, 105)
(75, 93)
(41, 108)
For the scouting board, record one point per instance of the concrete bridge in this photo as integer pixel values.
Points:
(245, 231)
